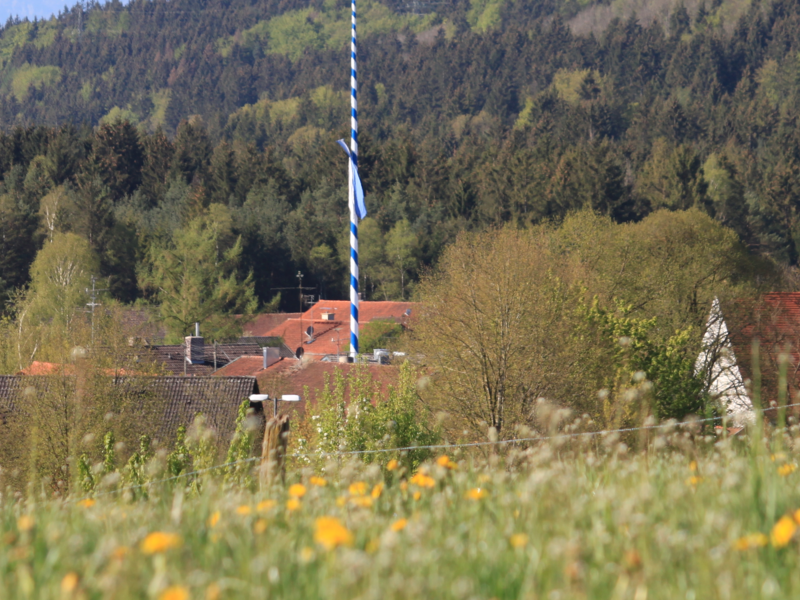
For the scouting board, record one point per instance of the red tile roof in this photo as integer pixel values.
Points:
(293, 376)
(773, 320)
(333, 336)
(261, 324)
(244, 366)
(48, 368)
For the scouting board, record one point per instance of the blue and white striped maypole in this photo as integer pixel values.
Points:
(355, 190)
(352, 196)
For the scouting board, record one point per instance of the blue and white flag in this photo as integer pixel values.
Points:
(361, 209)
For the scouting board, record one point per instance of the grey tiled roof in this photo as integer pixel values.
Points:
(172, 357)
(174, 401)
(268, 341)
(217, 398)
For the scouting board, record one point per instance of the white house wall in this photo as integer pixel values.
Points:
(717, 361)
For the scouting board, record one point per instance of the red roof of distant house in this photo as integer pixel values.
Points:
(244, 366)
(45, 368)
(293, 376)
(774, 320)
(48, 368)
(261, 324)
(332, 334)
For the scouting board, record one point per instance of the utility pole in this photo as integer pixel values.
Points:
(93, 294)
(300, 289)
(300, 298)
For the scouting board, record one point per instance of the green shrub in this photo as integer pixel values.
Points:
(369, 421)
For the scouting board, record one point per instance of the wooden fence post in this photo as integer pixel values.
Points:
(273, 451)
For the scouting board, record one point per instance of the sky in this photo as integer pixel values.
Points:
(32, 8)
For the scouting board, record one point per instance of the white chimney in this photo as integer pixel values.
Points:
(271, 356)
(195, 347)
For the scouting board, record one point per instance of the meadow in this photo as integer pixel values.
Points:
(690, 517)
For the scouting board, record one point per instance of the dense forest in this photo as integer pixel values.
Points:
(207, 129)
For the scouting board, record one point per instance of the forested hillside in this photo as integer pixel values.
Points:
(207, 128)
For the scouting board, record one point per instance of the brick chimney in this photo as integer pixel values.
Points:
(195, 347)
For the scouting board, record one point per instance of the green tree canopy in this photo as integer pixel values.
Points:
(195, 278)
(60, 274)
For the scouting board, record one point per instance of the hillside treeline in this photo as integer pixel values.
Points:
(125, 125)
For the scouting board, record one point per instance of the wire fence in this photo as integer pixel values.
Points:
(527, 440)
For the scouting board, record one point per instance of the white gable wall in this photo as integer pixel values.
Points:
(718, 361)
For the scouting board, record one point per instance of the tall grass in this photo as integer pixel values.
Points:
(548, 522)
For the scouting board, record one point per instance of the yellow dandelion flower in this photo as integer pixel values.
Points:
(444, 461)
(213, 592)
(160, 541)
(120, 553)
(752, 540)
(25, 523)
(484, 478)
(87, 503)
(518, 540)
(317, 481)
(213, 519)
(243, 510)
(341, 501)
(796, 516)
(633, 559)
(786, 469)
(377, 491)
(694, 480)
(392, 465)
(417, 495)
(777, 456)
(782, 532)
(307, 555)
(260, 526)
(70, 583)
(359, 488)
(693, 466)
(176, 592)
(293, 504)
(330, 533)
(399, 525)
(297, 490)
(422, 480)
(403, 486)
(266, 505)
(362, 501)
(477, 493)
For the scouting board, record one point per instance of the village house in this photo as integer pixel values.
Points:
(304, 377)
(324, 329)
(738, 333)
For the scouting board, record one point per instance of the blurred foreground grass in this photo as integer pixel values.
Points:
(543, 523)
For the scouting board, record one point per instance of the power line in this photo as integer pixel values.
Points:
(666, 425)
